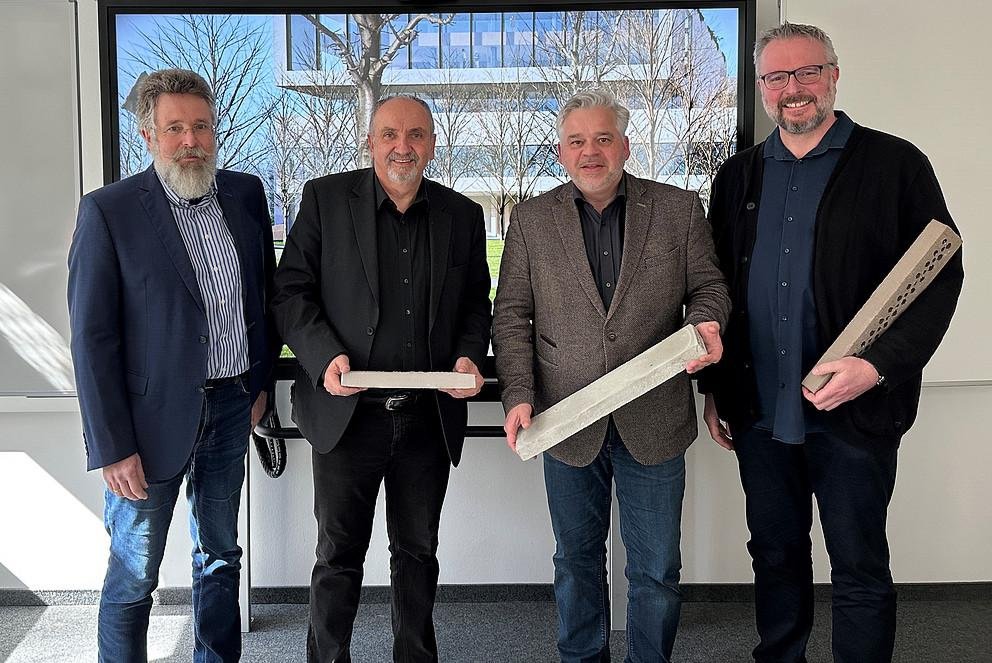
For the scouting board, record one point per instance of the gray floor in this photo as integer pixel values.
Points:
(511, 632)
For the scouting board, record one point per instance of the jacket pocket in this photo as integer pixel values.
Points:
(136, 384)
(660, 258)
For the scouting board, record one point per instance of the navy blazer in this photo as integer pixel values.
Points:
(139, 330)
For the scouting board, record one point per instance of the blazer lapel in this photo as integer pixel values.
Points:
(363, 218)
(566, 217)
(160, 216)
(637, 220)
(440, 230)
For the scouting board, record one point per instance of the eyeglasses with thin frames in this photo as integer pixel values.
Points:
(199, 130)
(811, 73)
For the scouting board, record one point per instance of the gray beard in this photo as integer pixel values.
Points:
(824, 108)
(803, 127)
(188, 181)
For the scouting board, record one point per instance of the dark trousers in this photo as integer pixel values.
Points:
(853, 485)
(404, 450)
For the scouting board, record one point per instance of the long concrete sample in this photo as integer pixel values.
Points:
(916, 269)
(612, 391)
(408, 380)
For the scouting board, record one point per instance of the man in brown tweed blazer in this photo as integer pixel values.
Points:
(595, 272)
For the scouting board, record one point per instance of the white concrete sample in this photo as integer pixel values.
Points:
(620, 386)
(408, 380)
(922, 261)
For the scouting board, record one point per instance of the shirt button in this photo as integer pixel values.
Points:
(789, 219)
(408, 311)
(606, 253)
(788, 250)
(612, 336)
(795, 188)
(785, 284)
(206, 237)
(750, 206)
(409, 344)
(608, 284)
(782, 351)
(404, 250)
(785, 318)
(223, 301)
(369, 331)
(203, 339)
(200, 389)
(406, 280)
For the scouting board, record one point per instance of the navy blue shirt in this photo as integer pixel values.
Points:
(781, 312)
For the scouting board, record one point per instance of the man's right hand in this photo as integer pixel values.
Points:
(332, 377)
(126, 478)
(719, 431)
(518, 417)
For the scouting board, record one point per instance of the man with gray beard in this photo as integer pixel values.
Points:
(169, 275)
(806, 225)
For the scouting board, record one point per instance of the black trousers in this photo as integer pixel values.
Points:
(853, 485)
(405, 451)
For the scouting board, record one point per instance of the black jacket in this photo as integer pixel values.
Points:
(881, 195)
(327, 296)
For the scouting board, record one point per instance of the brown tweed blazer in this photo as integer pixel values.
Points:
(552, 335)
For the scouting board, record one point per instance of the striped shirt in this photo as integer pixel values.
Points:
(218, 272)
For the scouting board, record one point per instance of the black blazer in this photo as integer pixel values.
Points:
(327, 297)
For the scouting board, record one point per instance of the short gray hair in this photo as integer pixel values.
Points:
(595, 98)
(379, 104)
(169, 81)
(794, 31)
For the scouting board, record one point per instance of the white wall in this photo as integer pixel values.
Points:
(495, 526)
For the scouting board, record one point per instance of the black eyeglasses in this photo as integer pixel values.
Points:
(776, 80)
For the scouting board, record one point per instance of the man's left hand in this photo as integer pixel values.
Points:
(466, 365)
(852, 376)
(710, 333)
(258, 408)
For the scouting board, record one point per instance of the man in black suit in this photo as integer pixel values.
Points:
(383, 270)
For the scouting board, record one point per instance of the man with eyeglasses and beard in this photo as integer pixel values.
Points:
(806, 225)
(169, 275)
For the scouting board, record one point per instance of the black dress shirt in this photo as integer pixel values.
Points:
(401, 339)
(603, 235)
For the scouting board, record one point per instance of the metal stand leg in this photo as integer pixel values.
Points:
(244, 540)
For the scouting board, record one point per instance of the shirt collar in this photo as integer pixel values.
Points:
(176, 201)
(621, 192)
(835, 139)
(381, 197)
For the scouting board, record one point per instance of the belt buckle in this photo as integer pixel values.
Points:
(394, 403)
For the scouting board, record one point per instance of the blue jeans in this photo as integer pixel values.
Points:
(650, 498)
(852, 484)
(138, 530)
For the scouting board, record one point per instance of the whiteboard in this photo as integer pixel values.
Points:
(918, 70)
(39, 188)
